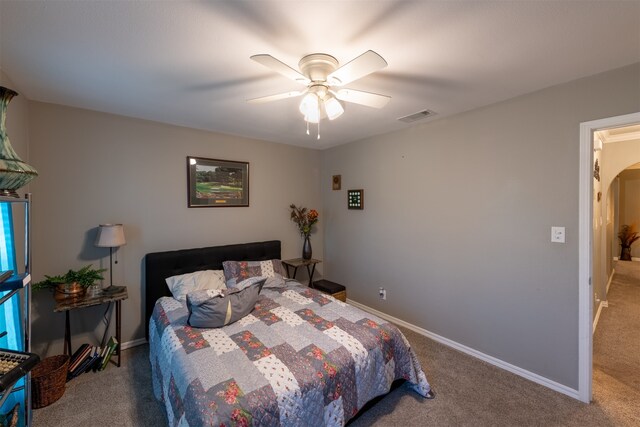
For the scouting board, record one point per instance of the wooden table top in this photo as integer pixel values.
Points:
(88, 301)
(297, 262)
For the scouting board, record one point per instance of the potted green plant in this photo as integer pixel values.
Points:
(627, 236)
(73, 283)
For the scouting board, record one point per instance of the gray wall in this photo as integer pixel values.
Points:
(96, 168)
(457, 222)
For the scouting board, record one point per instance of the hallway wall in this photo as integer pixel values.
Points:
(630, 202)
(599, 273)
(616, 157)
(611, 218)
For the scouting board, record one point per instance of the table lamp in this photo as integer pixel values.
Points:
(110, 236)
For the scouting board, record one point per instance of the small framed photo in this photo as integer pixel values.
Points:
(336, 182)
(217, 183)
(355, 199)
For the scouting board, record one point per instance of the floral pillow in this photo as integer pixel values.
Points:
(237, 271)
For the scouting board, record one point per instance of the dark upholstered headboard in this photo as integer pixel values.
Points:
(160, 265)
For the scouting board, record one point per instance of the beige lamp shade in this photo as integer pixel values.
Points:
(110, 236)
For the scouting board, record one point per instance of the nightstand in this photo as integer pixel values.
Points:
(299, 262)
(89, 301)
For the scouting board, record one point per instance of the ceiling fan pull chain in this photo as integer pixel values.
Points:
(318, 129)
(307, 128)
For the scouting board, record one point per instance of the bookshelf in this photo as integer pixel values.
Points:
(16, 289)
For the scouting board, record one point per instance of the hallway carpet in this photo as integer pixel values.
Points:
(469, 392)
(616, 346)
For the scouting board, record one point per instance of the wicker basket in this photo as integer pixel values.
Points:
(48, 379)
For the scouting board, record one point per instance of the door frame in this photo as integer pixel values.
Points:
(585, 247)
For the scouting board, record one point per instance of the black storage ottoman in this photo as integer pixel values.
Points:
(336, 290)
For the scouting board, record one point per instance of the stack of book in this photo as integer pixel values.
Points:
(91, 358)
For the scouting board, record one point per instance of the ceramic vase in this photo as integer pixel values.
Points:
(625, 253)
(14, 173)
(306, 248)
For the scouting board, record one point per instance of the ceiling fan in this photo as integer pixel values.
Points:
(323, 78)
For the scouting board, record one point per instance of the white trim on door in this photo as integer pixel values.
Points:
(585, 251)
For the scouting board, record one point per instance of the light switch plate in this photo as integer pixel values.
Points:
(557, 234)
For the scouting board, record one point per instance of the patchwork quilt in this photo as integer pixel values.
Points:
(301, 358)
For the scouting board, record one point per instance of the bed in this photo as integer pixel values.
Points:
(300, 358)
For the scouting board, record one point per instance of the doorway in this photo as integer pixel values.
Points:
(585, 246)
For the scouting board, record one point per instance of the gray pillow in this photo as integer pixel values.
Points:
(217, 308)
(279, 282)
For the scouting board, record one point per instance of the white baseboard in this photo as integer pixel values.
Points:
(475, 353)
(134, 343)
(603, 303)
(633, 258)
(597, 316)
(613, 271)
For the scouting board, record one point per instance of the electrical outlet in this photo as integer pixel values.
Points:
(558, 234)
(382, 293)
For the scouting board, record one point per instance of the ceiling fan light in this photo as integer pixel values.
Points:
(314, 117)
(333, 108)
(309, 104)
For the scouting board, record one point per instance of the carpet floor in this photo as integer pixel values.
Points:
(469, 392)
(616, 347)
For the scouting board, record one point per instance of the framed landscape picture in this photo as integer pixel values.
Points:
(217, 183)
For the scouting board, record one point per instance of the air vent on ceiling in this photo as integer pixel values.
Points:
(417, 116)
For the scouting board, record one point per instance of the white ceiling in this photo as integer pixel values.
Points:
(187, 63)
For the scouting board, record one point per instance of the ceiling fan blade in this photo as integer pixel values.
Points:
(363, 98)
(359, 67)
(276, 97)
(280, 67)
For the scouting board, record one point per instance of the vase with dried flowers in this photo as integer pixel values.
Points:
(627, 236)
(304, 219)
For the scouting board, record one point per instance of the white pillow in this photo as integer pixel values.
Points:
(183, 284)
